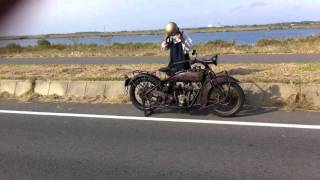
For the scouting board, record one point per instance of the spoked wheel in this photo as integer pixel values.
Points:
(140, 92)
(226, 99)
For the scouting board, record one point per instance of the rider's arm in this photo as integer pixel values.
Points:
(187, 42)
(164, 43)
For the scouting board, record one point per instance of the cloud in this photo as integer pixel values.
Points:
(248, 7)
(237, 8)
(60, 16)
(259, 4)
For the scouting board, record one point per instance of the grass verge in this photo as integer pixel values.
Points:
(282, 73)
(310, 44)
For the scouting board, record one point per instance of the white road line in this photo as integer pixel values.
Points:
(135, 118)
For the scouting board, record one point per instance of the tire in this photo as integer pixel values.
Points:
(235, 92)
(133, 88)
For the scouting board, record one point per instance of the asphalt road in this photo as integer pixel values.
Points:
(51, 147)
(303, 58)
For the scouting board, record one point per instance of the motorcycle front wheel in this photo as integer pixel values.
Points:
(226, 99)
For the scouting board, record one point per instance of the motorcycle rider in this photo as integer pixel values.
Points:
(179, 44)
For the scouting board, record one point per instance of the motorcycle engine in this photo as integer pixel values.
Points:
(185, 93)
(180, 93)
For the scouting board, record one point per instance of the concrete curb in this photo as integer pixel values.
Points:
(265, 94)
(15, 87)
(108, 89)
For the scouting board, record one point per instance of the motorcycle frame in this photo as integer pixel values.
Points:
(211, 80)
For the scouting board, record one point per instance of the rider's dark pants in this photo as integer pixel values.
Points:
(187, 65)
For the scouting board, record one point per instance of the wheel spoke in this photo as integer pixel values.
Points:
(223, 104)
(141, 89)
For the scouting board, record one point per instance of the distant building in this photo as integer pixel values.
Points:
(216, 25)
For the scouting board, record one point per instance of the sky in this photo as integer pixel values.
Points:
(66, 16)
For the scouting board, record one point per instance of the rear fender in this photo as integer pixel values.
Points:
(208, 85)
(127, 81)
(130, 81)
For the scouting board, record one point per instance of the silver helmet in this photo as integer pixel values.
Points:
(171, 28)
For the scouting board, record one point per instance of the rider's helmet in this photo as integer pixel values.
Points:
(172, 28)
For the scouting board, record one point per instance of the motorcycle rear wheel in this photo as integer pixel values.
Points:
(138, 88)
(226, 101)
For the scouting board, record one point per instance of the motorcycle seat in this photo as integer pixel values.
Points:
(167, 70)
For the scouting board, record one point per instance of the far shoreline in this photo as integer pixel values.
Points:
(277, 26)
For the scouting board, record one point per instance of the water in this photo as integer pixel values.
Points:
(244, 37)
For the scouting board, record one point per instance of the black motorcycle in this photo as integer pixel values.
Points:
(197, 87)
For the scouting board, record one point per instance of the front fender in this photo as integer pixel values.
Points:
(208, 85)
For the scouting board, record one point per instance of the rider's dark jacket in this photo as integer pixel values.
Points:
(179, 51)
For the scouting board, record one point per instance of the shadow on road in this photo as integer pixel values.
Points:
(245, 112)
(255, 110)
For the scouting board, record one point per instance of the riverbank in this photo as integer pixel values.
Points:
(306, 45)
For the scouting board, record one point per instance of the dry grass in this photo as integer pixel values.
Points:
(285, 73)
(309, 45)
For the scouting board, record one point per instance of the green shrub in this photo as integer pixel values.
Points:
(13, 47)
(310, 39)
(268, 42)
(221, 43)
(90, 45)
(310, 68)
(59, 46)
(43, 43)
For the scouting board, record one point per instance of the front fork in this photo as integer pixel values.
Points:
(222, 89)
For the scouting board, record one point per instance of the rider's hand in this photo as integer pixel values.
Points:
(180, 36)
(169, 40)
(166, 36)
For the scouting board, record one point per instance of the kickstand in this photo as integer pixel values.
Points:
(147, 110)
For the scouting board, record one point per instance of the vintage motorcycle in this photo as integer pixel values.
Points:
(197, 87)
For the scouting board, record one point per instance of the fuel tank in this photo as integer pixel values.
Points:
(194, 76)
